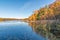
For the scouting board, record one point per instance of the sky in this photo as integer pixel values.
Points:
(21, 8)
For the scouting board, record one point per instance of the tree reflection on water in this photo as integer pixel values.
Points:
(48, 29)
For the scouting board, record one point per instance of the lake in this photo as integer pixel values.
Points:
(13, 30)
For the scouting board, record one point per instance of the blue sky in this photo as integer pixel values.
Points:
(21, 8)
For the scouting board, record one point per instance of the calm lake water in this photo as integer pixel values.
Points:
(18, 31)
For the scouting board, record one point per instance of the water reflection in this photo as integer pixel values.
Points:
(17, 31)
(49, 29)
